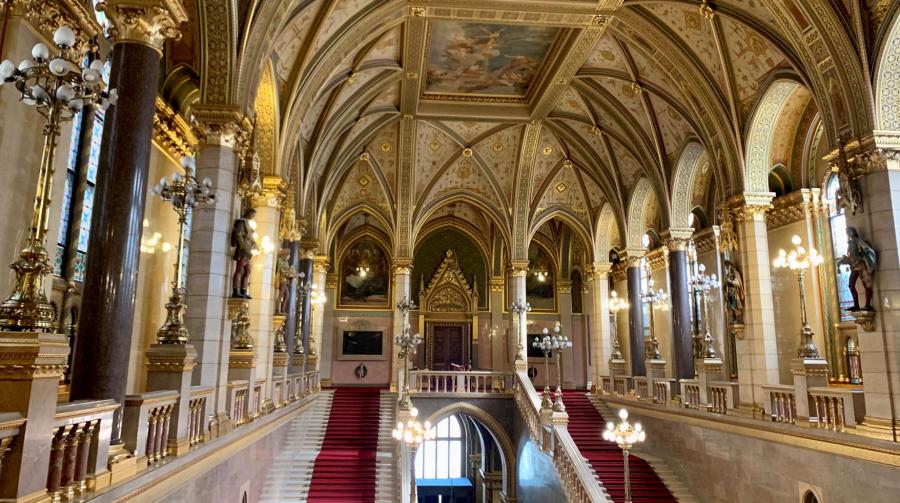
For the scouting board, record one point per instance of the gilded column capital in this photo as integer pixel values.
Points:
(320, 264)
(677, 239)
(600, 270)
(309, 248)
(751, 206)
(633, 256)
(518, 268)
(222, 125)
(147, 22)
(274, 192)
(496, 284)
(402, 266)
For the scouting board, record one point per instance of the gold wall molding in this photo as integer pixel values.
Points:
(794, 207)
(707, 240)
(171, 132)
(46, 17)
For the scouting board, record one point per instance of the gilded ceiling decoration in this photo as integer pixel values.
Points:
(483, 101)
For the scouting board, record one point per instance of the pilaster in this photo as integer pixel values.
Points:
(600, 325)
(402, 270)
(518, 322)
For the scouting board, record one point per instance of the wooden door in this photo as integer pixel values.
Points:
(448, 347)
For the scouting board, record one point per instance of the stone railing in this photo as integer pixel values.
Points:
(238, 396)
(146, 424)
(10, 426)
(837, 408)
(427, 381)
(662, 391)
(529, 407)
(580, 484)
(642, 388)
(722, 396)
(606, 384)
(621, 385)
(79, 447)
(311, 382)
(690, 393)
(258, 400)
(782, 403)
(199, 413)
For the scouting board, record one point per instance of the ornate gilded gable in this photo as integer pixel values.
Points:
(449, 291)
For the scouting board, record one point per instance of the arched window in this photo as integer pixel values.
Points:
(838, 224)
(78, 195)
(442, 458)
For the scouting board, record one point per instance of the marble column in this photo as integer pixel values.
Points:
(564, 299)
(499, 355)
(307, 256)
(317, 317)
(518, 322)
(601, 334)
(879, 333)
(210, 254)
(294, 307)
(757, 352)
(402, 270)
(102, 346)
(262, 288)
(680, 293)
(635, 317)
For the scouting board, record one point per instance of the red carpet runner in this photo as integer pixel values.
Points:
(586, 426)
(345, 467)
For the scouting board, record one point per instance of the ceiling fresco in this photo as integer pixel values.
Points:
(485, 59)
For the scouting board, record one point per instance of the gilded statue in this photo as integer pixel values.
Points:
(244, 246)
(286, 273)
(734, 293)
(861, 258)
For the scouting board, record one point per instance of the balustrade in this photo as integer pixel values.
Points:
(427, 381)
(237, 401)
(782, 403)
(621, 385)
(690, 393)
(76, 438)
(642, 388)
(258, 388)
(580, 484)
(606, 384)
(146, 424)
(198, 415)
(837, 408)
(10, 426)
(662, 391)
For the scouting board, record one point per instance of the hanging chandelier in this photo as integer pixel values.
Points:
(412, 432)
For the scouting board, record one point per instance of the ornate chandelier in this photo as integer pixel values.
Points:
(412, 432)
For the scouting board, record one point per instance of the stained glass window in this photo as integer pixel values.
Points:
(442, 458)
(838, 223)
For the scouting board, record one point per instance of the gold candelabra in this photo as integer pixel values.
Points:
(184, 192)
(407, 342)
(652, 297)
(616, 304)
(801, 260)
(625, 435)
(520, 308)
(703, 283)
(58, 88)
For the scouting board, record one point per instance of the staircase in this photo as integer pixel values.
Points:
(386, 460)
(586, 427)
(288, 479)
(345, 467)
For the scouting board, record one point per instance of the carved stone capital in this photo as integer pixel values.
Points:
(402, 266)
(751, 206)
(221, 125)
(309, 248)
(600, 270)
(518, 269)
(320, 264)
(677, 239)
(496, 284)
(148, 22)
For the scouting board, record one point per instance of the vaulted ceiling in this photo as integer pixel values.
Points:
(619, 89)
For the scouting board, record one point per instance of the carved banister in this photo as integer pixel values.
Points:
(579, 482)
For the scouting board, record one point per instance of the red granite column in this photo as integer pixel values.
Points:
(635, 317)
(103, 342)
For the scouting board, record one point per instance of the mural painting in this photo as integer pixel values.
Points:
(485, 59)
(364, 276)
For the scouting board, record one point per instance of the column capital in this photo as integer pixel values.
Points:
(320, 263)
(274, 192)
(171, 132)
(147, 22)
(222, 125)
(677, 239)
(599, 270)
(633, 256)
(750, 205)
(518, 268)
(402, 266)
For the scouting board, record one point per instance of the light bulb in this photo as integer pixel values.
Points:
(207, 182)
(795, 239)
(176, 177)
(623, 414)
(113, 96)
(90, 76)
(97, 66)
(7, 69)
(40, 51)
(76, 105)
(638, 427)
(166, 246)
(610, 425)
(39, 93)
(701, 267)
(64, 37)
(26, 64)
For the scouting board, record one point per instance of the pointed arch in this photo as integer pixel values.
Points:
(692, 157)
(887, 88)
(761, 135)
(637, 207)
(606, 233)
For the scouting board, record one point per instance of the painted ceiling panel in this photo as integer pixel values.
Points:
(696, 34)
(752, 58)
(434, 149)
(499, 152)
(384, 149)
(549, 154)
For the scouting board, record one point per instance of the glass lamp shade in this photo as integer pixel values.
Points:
(64, 37)
(40, 51)
(58, 67)
(65, 93)
(7, 69)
